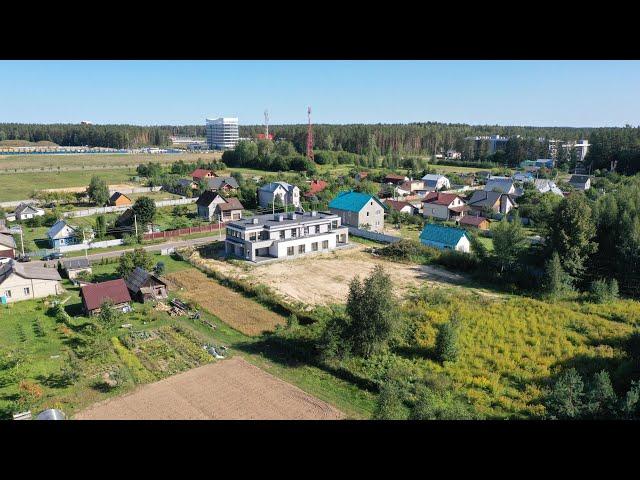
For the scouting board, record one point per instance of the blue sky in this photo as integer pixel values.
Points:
(542, 93)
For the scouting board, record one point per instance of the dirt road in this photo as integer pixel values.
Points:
(230, 389)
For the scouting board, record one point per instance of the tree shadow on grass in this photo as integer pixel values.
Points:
(416, 352)
(104, 277)
(53, 380)
(297, 352)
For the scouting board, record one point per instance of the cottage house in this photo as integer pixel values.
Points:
(222, 184)
(361, 176)
(443, 206)
(473, 221)
(544, 186)
(436, 182)
(483, 201)
(145, 286)
(61, 234)
(359, 210)
(3, 227)
(75, 266)
(500, 184)
(580, 182)
(95, 294)
(402, 207)
(25, 282)
(445, 238)
(395, 179)
(119, 200)
(214, 207)
(7, 246)
(286, 193)
(315, 187)
(24, 211)
(201, 174)
(284, 235)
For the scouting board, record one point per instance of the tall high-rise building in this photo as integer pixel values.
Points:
(222, 133)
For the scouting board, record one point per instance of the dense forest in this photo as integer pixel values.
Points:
(620, 144)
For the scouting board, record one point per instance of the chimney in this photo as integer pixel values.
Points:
(314, 213)
(254, 221)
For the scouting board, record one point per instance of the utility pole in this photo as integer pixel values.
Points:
(135, 222)
(309, 136)
(266, 124)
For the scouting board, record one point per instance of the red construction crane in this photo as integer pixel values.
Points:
(309, 136)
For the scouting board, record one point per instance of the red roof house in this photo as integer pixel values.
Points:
(200, 173)
(315, 187)
(95, 294)
(473, 221)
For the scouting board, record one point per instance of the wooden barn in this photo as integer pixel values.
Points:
(145, 286)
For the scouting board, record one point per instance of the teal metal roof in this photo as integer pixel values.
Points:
(353, 201)
(449, 236)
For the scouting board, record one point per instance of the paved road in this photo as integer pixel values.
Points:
(150, 248)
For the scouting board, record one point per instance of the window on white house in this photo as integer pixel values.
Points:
(27, 291)
(7, 293)
(289, 250)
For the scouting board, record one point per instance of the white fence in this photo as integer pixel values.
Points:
(15, 203)
(136, 190)
(82, 246)
(99, 210)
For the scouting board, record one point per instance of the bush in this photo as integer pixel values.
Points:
(159, 268)
(408, 250)
(447, 341)
(455, 260)
(604, 291)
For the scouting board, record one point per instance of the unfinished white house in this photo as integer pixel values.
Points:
(287, 193)
(284, 235)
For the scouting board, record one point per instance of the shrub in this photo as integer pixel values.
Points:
(455, 260)
(604, 291)
(432, 404)
(447, 341)
(408, 250)
(159, 268)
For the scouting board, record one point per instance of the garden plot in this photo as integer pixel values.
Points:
(232, 389)
(231, 307)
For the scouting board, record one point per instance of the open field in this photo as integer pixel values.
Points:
(19, 186)
(231, 307)
(231, 389)
(324, 279)
(93, 161)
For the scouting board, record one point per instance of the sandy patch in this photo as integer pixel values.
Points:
(324, 279)
(117, 186)
(231, 389)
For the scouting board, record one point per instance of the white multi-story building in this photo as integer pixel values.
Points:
(222, 133)
(284, 235)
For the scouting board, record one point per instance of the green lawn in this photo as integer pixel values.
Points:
(20, 186)
(11, 162)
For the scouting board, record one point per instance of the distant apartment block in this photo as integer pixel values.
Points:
(284, 235)
(222, 133)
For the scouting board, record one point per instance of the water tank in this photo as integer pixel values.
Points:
(51, 414)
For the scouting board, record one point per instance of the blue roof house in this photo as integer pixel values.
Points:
(359, 210)
(61, 234)
(443, 237)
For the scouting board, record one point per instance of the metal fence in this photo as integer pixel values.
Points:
(377, 237)
(213, 227)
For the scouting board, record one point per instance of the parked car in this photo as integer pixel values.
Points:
(53, 256)
(24, 258)
(4, 260)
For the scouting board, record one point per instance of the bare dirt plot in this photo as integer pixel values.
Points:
(324, 279)
(231, 389)
(243, 314)
(117, 186)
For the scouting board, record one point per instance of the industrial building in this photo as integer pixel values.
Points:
(222, 133)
